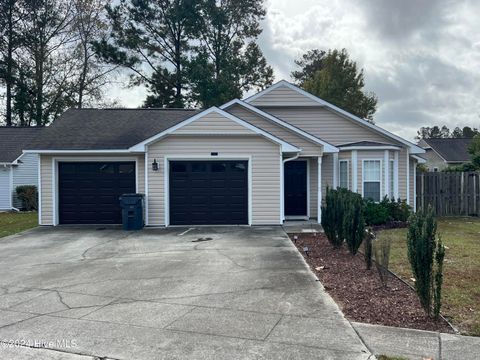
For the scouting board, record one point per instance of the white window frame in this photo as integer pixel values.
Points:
(348, 173)
(381, 177)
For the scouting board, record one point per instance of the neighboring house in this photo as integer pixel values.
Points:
(254, 162)
(442, 153)
(16, 168)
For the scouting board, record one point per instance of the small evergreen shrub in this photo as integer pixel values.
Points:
(353, 221)
(426, 254)
(388, 210)
(368, 247)
(381, 249)
(375, 213)
(332, 216)
(29, 196)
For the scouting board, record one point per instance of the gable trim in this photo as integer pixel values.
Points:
(414, 149)
(286, 147)
(327, 147)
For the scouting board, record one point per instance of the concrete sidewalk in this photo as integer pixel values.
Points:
(417, 344)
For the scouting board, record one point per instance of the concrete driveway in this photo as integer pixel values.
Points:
(244, 293)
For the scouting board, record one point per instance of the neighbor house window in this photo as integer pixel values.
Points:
(344, 174)
(371, 179)
(391, 173)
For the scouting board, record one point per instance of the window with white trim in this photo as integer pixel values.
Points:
(372, 173)
(391, 172)
(344, 174)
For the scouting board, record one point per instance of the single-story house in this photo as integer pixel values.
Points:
(442, 153)
(258, 161)
(16, 168)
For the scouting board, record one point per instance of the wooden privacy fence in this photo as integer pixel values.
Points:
(449, 193)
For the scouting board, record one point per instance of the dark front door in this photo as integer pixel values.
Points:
(295, 187)
(89, 191)
(208, 192)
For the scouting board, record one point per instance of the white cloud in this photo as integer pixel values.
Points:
(421, 57)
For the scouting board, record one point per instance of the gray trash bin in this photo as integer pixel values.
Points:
(132, 211)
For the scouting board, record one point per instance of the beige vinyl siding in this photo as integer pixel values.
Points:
(141, 174)
(214, 123)
(308, 147)
(46, 181)
(402, 174)
(283, 96)
(265, 170)
(327, 125)
(46, 190)
(413, 164)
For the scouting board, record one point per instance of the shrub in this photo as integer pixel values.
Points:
(426, 254)
(332, 216)
(368, 247)
(353, 221)
(381, 249)
(386, 211)
(29, 196)
(375, 213)
(397, 210)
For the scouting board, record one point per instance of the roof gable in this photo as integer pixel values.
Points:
(210, 114)
(266, 96)
(214, 123)
(327, 147)
(281, 95)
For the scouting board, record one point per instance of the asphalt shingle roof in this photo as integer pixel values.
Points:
(455, 150)
(13, 140)
(101, 129)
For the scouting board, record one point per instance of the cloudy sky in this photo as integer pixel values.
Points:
(421, 57)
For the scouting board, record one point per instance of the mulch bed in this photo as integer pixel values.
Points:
(359, 292)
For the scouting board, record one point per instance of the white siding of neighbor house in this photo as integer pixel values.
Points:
(214, 123)
(308, 147)
(283, 96)
(327, 125)
(46, 181)
(265, 170)
(5, 191)
(25, 173)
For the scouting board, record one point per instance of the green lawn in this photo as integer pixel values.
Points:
(12, 223)
(461, 289)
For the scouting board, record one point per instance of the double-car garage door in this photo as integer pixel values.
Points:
(200, 192)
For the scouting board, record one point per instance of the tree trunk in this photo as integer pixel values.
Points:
(83, 76)
(39, 59)
(9, 76)
(178, 74)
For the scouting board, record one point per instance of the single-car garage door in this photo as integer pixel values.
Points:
(89, 191)
(208, 192)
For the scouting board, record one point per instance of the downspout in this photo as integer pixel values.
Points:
(282, 187)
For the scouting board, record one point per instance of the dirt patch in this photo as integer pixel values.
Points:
(359, 292)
